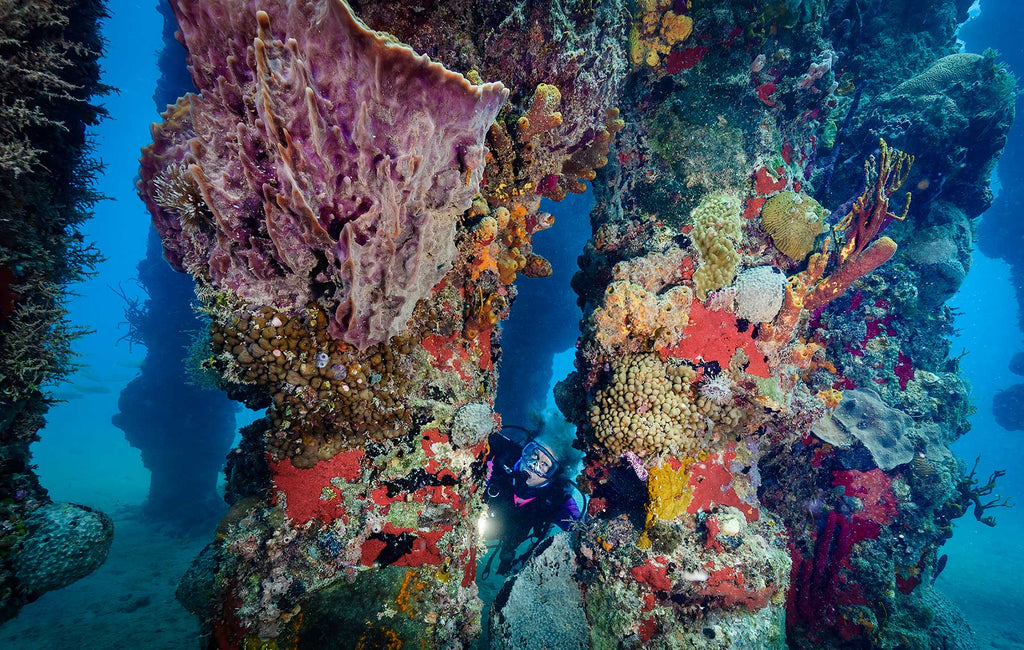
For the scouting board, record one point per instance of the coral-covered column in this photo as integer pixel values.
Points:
(315, 188)
(747, 370)
(689, 369)
(356, 215)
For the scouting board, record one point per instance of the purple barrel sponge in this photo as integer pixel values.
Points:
(321, 162)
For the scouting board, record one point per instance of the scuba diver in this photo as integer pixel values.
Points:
(528, 492)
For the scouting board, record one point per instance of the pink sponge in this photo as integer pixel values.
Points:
(321, 162)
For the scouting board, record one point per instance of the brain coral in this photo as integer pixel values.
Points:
(717, 228)
(793, 221)
(322, 162)
(947, 71)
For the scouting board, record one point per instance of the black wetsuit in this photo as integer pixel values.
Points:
(516, 511)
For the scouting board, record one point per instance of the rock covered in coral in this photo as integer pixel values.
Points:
(541, 606)
(862, 416)
(63, 543)
(304, 173)
(197, 592)
(941, 250)
(947, 626)
(1007, 407)
(954, 117)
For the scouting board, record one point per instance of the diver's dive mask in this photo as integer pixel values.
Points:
(539, 461)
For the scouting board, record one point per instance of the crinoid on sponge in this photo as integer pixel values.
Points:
(633, 318)
(793, 221)
(717, 229)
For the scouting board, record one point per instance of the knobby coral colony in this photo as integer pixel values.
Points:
(356, 216)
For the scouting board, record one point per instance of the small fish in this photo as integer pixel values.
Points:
(939, 566)
(64, 395)
(88, 373)
(93, 389)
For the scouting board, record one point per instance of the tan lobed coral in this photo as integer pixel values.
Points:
(717, 228)
(650, 407)
(632, 318)
(793, 221)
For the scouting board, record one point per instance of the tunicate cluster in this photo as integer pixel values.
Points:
(321, 359)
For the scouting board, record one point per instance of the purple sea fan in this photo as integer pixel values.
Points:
(320, 152)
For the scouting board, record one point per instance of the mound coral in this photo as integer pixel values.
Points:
(650, 407)
(64, 542)
(349, 195)
(717, 228)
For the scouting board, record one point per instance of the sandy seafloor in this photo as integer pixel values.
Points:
(129, 602)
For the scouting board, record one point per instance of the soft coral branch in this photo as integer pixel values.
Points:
(974, 492)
